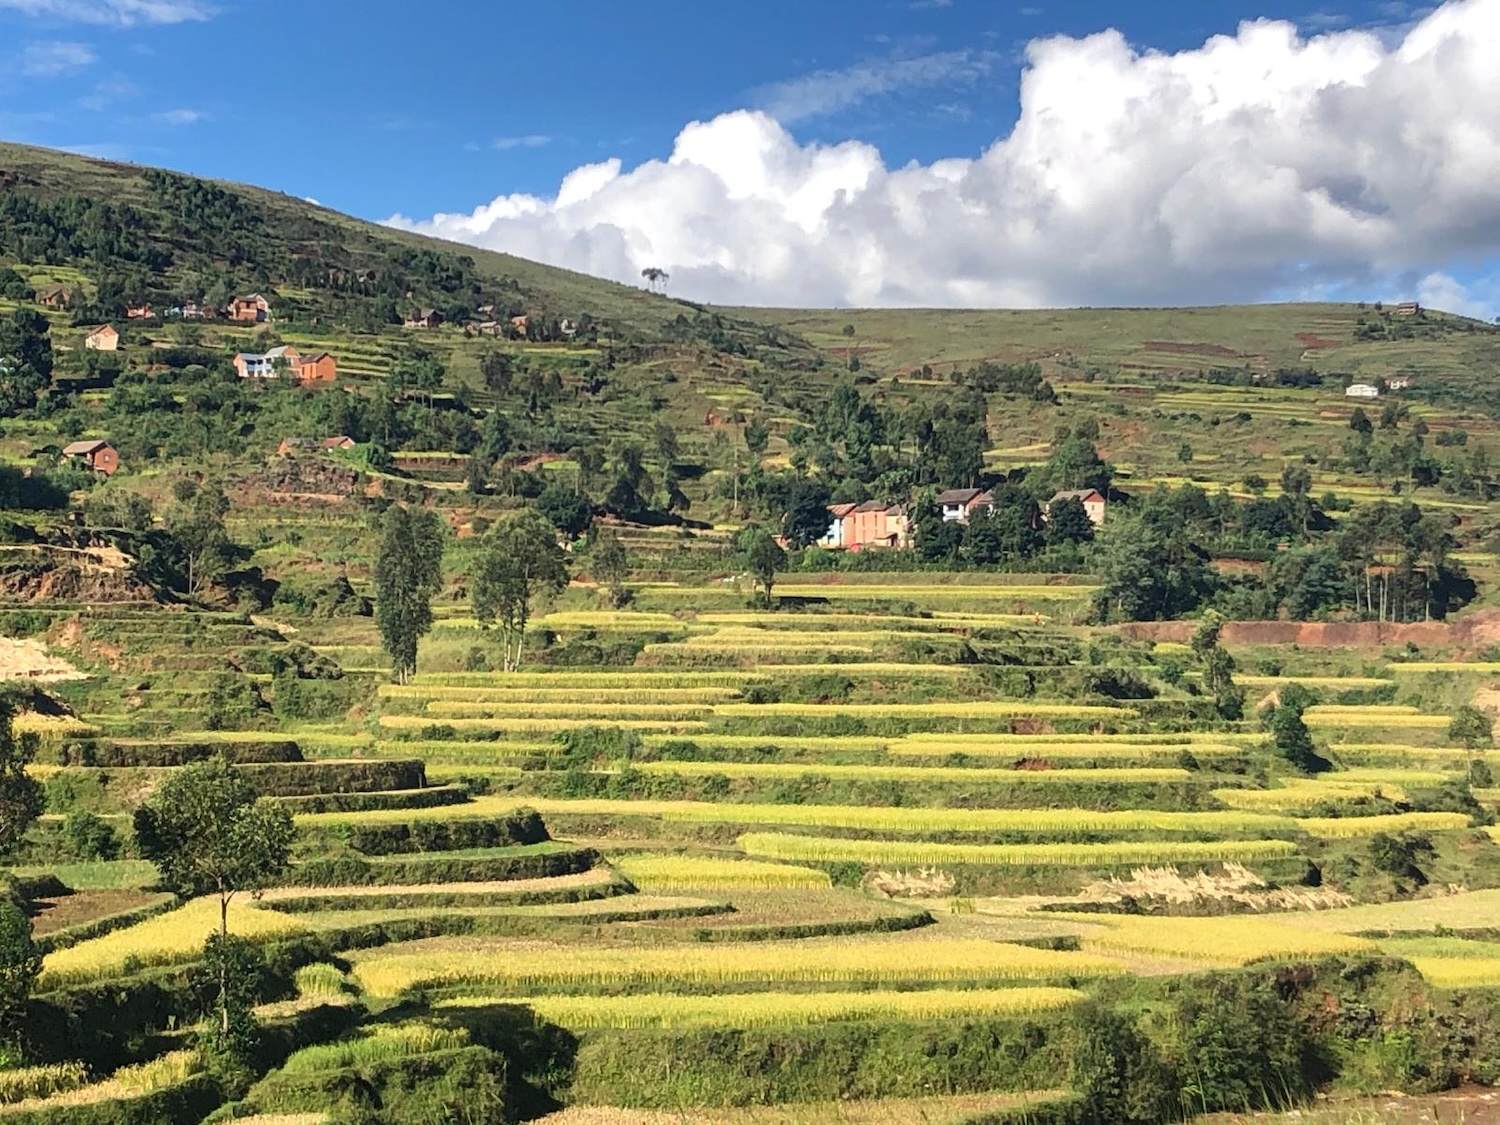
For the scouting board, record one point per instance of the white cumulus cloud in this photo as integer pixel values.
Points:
(179, 117)
(48, 60)
(1257, 165)
(118, 13)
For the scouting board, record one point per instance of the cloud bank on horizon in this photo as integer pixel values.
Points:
(1259, 166)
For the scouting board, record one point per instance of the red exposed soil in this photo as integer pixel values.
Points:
(1469, 634)
(55, 914)
(1177, 347)
(1315, 343)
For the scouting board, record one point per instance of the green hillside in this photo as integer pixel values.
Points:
(539, 765)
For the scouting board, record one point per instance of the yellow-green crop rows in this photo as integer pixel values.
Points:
(747, 1010)
(1121, 853)
(874, 961)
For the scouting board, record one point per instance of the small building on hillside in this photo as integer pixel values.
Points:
(1361, 390)
(55, 297)
(343, 441)
(876, 524)
(320, 368)
(958, 504)
(105, 339)
(424, 318)
(1095, 504)
(98, 455)
(139, 312)
(250, 366)
(836, 537)
(1406, 308)
(519, 323)
(253, 309)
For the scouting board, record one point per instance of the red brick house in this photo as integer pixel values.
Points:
(55, 298)
(139, 312)
(253, 309)
(98, 455)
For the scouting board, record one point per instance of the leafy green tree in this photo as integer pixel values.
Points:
(518, 561)
(20, 964)
(1471, 728)
(418, 371)
(1309, 581)
(1074, 463)
(208, 833)
(21, 795)
(1290, 737)
(232, 968)
(1243, 1046)
(25, 360)
(197, 524)
(1185, 453)
(408, 573)
(1360, 422)
(611, 566)
(762, 556)
(1217, 667)
(498, 370)
(1068, 522)
(757, 436)
(806, 519)
(1149, 570)
(567, 510)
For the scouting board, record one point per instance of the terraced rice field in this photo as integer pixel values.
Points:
(743, 1010)
(788, 828)
(392, 971)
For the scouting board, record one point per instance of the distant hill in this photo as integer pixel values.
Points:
(1364, 341)
(665, 391)
(145, 234)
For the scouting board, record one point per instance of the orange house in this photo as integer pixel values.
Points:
(320, 368)
(98, 455)
(875, 524)
(139, 312)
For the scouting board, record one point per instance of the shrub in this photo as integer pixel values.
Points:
(1117, 1071)
(1471, 728)
(89, 837)
(1243, 1047)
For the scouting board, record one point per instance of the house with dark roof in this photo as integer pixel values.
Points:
(253, 309)
(958, 504)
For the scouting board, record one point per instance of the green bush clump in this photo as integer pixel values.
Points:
(523, 827)
(304, 779)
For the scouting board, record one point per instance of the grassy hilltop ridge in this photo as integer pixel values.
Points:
(1147, 342)
(293, 222)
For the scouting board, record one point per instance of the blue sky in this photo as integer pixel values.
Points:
(384, 109)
